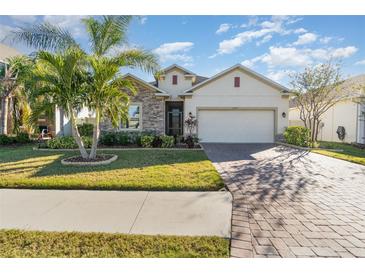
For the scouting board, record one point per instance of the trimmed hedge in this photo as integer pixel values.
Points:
(68, 142)
(297, 135)
(21, 138)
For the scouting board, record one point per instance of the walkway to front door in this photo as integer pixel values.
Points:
(292, 203)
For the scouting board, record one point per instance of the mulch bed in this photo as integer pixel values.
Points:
(99, 158)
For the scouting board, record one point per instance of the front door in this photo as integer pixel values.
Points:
(174, 118)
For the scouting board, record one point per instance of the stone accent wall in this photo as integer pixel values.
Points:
(153, 111)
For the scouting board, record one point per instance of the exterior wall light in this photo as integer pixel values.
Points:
(283, 114)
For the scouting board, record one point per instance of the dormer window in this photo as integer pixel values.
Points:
(174, 79)
(236, 82)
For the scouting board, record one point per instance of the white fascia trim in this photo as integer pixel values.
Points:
(163, 93)
(284, 90)
(179, 67)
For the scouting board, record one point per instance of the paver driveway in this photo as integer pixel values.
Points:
(292, 203)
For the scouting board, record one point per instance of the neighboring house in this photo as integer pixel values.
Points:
(348, 113)
(237, 105)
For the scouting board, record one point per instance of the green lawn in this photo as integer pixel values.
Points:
(16, 243)
(21, 167)
(349, 153)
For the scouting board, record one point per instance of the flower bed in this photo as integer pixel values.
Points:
(101, 159)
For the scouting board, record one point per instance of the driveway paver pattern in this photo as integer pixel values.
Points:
(292, 203)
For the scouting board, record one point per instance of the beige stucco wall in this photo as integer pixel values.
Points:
(183, 83)
(342, 114)
(252, 93)
(7, 52)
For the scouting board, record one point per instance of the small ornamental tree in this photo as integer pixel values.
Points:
(190, 122)
(316, 90)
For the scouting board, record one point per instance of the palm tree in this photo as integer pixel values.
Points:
(108, 95)
(61, 79)
(12, 83)
(108, 91)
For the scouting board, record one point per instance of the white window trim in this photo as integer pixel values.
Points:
(140, 119)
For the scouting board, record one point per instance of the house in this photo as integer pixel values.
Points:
(348, 113)
(236, 105)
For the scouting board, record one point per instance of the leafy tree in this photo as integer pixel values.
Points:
(316, 90)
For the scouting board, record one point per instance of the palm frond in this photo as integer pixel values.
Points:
(137, 58)
(45, 36)
(106, 33)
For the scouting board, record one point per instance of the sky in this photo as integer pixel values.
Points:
(275, 46)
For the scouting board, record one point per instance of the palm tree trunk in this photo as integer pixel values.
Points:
(4, 115)
(76, 135)
(96, 133)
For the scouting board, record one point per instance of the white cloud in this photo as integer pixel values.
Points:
(266, 39)
(325, 40)
(279, 75)
(300, 30)
(143, 20)
(361, 62)
(293, 57)
(223, 28)
(275, 25)
(176, 51)
(286, 56)
(343, 52)
(252, 21)
(306, 38)
(251, 62)
(70, 22)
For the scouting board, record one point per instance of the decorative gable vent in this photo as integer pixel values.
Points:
(174, 79)
(236, 82)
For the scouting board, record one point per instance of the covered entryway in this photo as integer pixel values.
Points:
(236, 125)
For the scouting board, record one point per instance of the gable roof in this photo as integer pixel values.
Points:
(159, 91)
(245, 69)
(178, 67)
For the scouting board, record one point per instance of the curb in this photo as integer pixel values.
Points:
(293, 146)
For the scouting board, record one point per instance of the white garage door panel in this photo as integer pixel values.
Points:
(236, 126)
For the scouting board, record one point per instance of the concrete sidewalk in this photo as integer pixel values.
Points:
(130, 212)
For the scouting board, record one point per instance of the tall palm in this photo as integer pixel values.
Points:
(61, 79)
(108, 96)
(18, 69)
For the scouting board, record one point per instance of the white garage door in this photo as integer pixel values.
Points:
(236, 126)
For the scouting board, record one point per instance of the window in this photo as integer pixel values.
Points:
(2, 69)
(174, 79)
(134, 117)
(236, 82)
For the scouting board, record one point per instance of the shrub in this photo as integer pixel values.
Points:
(167, 141)
(157, 141)
(68, 142)
(147, 140)
(119, 138)
(22, 138)
(297, 135)
(86, 129)
(108, 138)
(6, 140)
